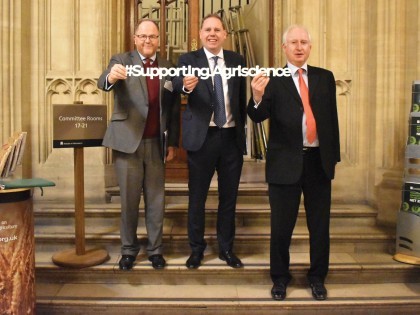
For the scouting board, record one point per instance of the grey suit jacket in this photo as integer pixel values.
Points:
(128, 120)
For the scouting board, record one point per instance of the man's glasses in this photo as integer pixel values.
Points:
(143, 37)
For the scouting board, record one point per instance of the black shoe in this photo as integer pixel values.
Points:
(231, 259)
(158, 262)
(194, 261)
(126, 262)
(319, 292)
(278, 291)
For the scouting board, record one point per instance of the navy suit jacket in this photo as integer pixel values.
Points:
(282, 104)
(196, 117)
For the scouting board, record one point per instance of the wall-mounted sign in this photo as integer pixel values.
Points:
(79, 125)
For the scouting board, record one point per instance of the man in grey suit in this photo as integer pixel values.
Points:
(144, 121)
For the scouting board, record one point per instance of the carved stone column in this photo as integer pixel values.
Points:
(15, 82)
(397, 26)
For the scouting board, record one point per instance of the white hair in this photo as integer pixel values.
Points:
(293, 26)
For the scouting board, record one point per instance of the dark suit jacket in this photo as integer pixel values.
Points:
(131, 105)
(282, 104)
(196, 117)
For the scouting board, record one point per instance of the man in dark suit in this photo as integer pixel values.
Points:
(214, 136)
(144, 120)
(302, 152)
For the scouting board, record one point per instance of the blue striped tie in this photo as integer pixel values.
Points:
(219, 108)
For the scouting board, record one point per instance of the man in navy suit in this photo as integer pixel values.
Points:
(213, 134)
(145, 109)
(302, 152)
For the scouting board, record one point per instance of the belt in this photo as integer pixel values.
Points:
(229, 129)
(310, 149)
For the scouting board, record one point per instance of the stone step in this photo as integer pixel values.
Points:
(358, 282)
(363, 277)
(128, 299)
(353, 227)
(176, 213)
(178, 192)
(344, 268)
(248, 239)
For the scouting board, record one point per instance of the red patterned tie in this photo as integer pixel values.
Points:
(310, 119)
(151, 130)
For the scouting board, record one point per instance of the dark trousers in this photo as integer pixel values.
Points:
(221, 154)
(284, 203)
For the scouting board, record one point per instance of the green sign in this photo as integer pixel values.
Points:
(411, 198)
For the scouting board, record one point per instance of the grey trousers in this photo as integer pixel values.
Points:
(141, 171)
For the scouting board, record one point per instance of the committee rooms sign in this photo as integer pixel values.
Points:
(79, 125)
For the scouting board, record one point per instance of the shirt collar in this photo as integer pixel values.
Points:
(153, 58)
(211, 55)
(294, 69)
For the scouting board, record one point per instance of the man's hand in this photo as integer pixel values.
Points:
(258, 84)
(118, 72)
(171, 153)
(190, 82)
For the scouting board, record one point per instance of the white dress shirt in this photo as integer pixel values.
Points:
(222, 66)
(295, 77)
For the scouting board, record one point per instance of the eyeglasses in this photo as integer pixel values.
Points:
(143, 37)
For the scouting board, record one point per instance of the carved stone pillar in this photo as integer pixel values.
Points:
(397, 26)
(14, 79)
